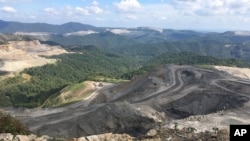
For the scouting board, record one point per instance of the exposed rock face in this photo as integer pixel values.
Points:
(163, 135)
(106, 137)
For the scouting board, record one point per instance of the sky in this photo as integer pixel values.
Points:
(170, 14)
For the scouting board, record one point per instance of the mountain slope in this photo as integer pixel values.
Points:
(89, 63)
(105, 40)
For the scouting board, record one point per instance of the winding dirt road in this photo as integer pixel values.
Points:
(167, 94)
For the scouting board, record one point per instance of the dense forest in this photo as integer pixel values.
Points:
(88, 64)
(33, 86)
(186, 58)
(150, 45)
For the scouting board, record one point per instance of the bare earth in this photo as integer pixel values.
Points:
(18, 55)
(221, 119)
(238, 72)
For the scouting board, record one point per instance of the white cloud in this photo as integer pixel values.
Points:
(68, 10)
(75, 12)
(132, 17)
(94, 8)
(162, 18)
(81, 11)
(215, 7)
(128, 6)
(32, 17)
(51, 11)
(237, 3)
(95, 3)
(8, 9)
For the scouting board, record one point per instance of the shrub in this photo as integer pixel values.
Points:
(11, 125)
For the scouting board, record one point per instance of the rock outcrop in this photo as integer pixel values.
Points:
(164, 134)
(32, 137)
(106, 137)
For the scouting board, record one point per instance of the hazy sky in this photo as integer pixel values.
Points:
(176, 14)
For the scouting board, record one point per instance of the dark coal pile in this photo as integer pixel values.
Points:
(111, 117)
(182, 91)
(202, 103)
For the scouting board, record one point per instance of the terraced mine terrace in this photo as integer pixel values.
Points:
(172, 94)
(18, 55)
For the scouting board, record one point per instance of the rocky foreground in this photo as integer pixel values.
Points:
(152, 135)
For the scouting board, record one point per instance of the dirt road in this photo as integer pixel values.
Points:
(191, 96)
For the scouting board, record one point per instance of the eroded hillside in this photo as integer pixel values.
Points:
(17, 55)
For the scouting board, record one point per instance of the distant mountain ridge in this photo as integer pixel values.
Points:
(142, 42)
(141, 34)
(71, 27)
(12, 27)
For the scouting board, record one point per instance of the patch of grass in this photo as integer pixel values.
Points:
(109, 80)
(66, 103)
(70, 94)
(26, 76)
(74, 87)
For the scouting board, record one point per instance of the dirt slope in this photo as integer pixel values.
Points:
(17, 55)
(238, 72)
(75, 92)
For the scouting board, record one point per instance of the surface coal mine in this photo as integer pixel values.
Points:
(166, 93)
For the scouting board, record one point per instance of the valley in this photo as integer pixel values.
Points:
(78, 81)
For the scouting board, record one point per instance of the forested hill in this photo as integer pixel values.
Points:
(105, 40)
(35, 85)
(89, 63)
(140, 42)
(209, 48)
(150, 44)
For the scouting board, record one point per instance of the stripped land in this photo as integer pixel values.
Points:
(187, 95)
